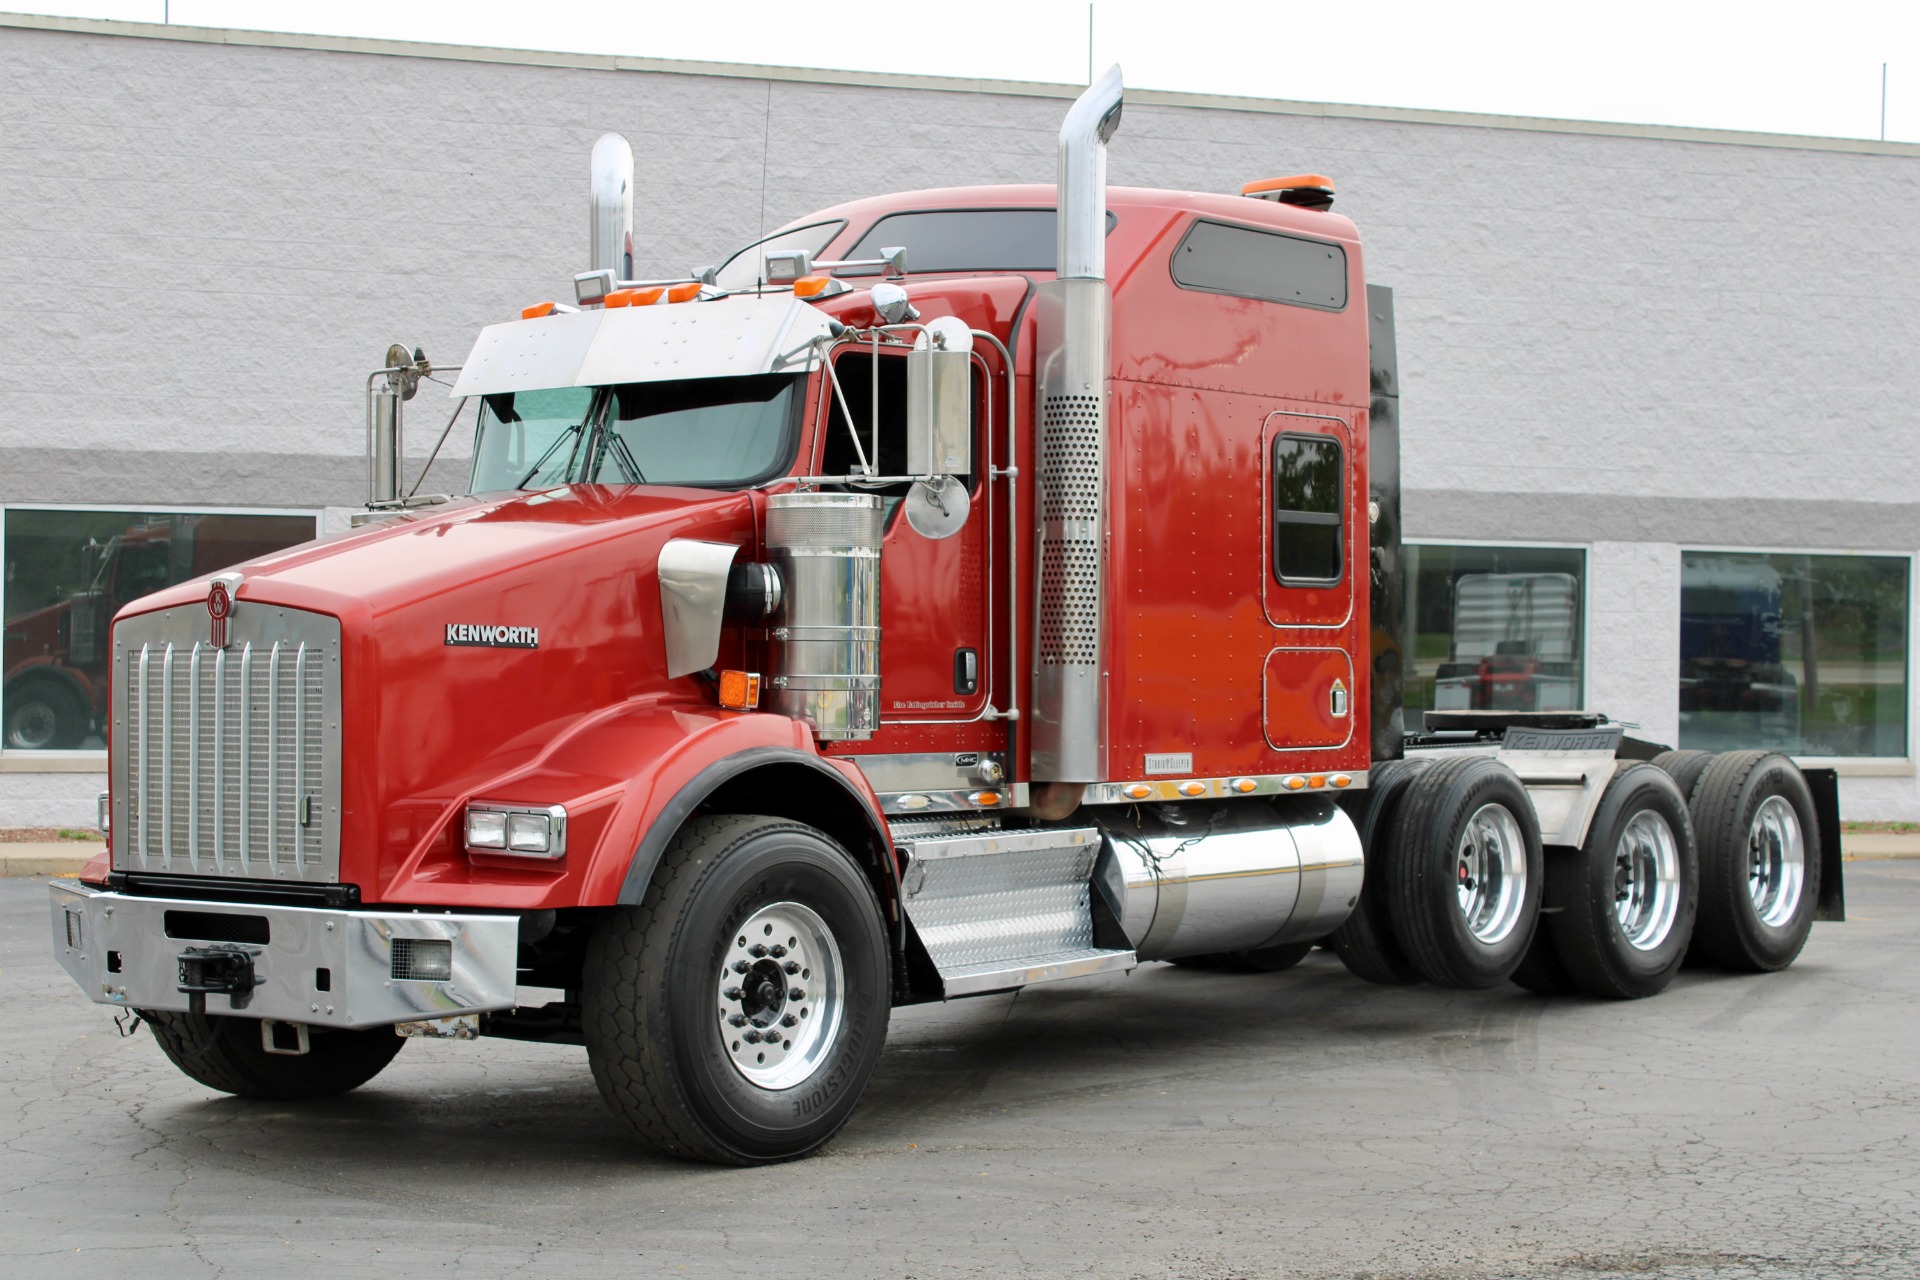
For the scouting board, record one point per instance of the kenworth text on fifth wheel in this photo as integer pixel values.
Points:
(955, 591)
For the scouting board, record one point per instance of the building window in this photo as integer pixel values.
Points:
(1307, 493)
(1804, 654)
(1495, 629)
(67, 572)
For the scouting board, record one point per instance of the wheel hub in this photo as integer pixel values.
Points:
(1776, 861)
(1490, 869)
(1646, 880)
(781, 995)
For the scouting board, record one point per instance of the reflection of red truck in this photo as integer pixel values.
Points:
(1515, 644)
(56, 658)
(816, 639)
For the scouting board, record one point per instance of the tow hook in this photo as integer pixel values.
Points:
(220, 968)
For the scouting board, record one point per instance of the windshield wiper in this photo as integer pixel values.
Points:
(571, 432)
(624, 456)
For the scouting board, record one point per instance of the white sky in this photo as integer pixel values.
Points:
(1761, 66)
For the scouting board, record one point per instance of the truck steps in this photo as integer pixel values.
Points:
(997, 910)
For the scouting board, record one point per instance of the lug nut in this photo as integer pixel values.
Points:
(791, 966)
(732, 993)
(777, 951)
(798, 993)
(789, 1021)
(757, 950)
(736, 1019)
(741, 966)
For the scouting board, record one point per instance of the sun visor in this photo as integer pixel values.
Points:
(724, 338)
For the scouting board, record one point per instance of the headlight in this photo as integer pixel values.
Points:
(517, 831)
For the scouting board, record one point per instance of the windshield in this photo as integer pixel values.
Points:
(743, 269)
(707, 432)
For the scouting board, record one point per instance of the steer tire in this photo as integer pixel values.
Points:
(225, 1053)
(1626, 901)
(1752, 812)
(1365, 939)
(1684, 767)
(660, 985)
(42, 714)
(1461, 922)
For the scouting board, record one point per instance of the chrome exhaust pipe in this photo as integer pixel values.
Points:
(1074, 352)
(610, 206)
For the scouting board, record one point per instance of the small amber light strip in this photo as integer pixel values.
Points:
(810, 286)
(632, 297)
(986, 799)
(537, 310)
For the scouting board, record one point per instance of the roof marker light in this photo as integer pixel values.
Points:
(633, 297)
(1306, 190)
(537, 310)
(684, 292)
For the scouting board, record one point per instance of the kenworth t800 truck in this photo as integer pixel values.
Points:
(956, 591)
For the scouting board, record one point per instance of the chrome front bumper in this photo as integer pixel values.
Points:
(321, 967)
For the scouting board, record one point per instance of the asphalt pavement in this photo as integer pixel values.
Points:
(1170, 1123)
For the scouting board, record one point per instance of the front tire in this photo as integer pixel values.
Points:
(225, 1053)
(1627, 899)
(42, 715)
(1759, 861)
(1465, 871)
(736, 1014)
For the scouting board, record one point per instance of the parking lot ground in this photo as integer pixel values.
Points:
(1170, 1123)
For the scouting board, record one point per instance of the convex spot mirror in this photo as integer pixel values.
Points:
(940, 400)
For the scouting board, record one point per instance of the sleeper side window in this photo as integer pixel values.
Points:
(1308, 547)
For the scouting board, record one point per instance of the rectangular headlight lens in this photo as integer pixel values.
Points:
(529, 832)
(486, 830)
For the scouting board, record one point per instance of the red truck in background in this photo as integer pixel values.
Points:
(958, 590)
(55, 658)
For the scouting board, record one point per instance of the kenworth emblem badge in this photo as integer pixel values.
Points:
(493, 637)
(219, 609)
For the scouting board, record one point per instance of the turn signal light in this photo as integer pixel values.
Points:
(739, 690)
(537, 310)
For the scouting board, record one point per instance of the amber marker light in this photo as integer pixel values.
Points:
(1193, 788)
(1136, 791)
(1317, 781)
(1245, 786)
(739, 690)
(1341, 780)
(810, 286)
(633, 297)
(1294, 783)
(684, 292)
(985, 799)
(537, 310)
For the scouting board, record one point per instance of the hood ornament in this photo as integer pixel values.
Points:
(220, 604)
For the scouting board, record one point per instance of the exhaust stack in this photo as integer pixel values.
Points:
(1075, 356)
(610, 207)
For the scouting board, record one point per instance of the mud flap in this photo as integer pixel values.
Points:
(1825, 785)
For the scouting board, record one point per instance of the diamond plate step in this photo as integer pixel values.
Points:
(1003, 909)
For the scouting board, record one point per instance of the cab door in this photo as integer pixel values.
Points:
(1309, 583)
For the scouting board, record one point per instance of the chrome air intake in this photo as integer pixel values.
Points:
(1074, 326)
(825, 651)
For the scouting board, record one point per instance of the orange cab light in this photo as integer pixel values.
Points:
(811, 286)
(1245, 786)
(537, 310)
(1317, 781)
(1193, 788)
(684, 292)
(739, 690)
(1294, 783)
(985, 799)
(632, 297)
(1341, 780)
(1307, 190)
(1136, 791)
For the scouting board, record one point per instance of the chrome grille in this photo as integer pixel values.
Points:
(226, 762)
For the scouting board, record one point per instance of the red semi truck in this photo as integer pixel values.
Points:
(956, 591)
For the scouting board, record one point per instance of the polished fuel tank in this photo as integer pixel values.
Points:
(1191, 879)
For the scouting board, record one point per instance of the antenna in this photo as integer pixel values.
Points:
(1883, 72)
(1883, 98)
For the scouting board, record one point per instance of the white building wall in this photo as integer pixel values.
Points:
(1635, 339)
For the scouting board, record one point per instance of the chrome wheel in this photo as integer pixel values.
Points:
(1646, 880)
(33, 726)
(1776, 861)
(781, 994)
(1491, 873)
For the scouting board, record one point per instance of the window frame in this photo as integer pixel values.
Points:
(87, 759)
(1346, 266)
(1317, 518)
(1113, 220)
(1901, 766)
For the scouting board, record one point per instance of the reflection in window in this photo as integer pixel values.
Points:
(1306, 509)
(68, 572)
(746, 267)
(1494, 629)
(1804, 654)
